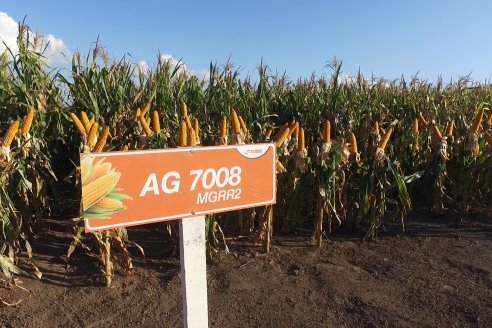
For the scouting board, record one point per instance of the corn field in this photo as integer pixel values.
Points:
(352, 154)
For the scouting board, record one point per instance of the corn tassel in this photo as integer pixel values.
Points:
(156, 124)
(78, 124)
(145, 126)
(182, 133)
(27, 122)
(101, 142)
(91, 138)
(10, 134)
(477, 122)
(97, 189)
(384, 142)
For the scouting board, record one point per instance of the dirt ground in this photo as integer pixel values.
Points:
(436, 274)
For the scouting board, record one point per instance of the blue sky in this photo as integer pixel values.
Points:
(385, 38)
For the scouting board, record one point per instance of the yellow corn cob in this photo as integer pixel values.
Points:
(353, 143)
(10, 134)
(478, 121)
(243, 125)
(196, 127)
(101, 142)
(91, 138)
(376, 128)
(415, 126)
(98, 171)
(91, 121)
(191, 138)
(109, 204)
(268, 133)
(78, 124)
(422, 119)
(145, 109)
(138, 112)
(27, 122)
(296, 132)
(382, 130)
(223, 127)
(490, 117)
(97, 189)
(145, 126)
(449, 129)
(188, 122)
(281, 131)
(384, 141)
(124, 148)
(85, 121)
(182, 133)
(300, 145)
(326, 135)
(156, 125)
(236, 126)
(488, 138)
(282, 137)
(184, 110)
(292, 128)
(437, 133)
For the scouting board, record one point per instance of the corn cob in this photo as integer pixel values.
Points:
(109, 204)
(98, 171)
(145, 109)
(223, 127)
(78, 124)
(91, 121)
(91, 138)
(196, 127)
(27, 122)
(301, 145)
(97, 189)
(326, 135)
(490, 118)
(101, 142)
(384, 141)
(243, 125)
(437, 134)
(353, 143)
(422, 119)
(478, 121)
(145, 126)
(10, 134)
(292, 128)
(182, 133)
(296, 132)
(376, 128)
(450, 128)
(138, 112)
(268, 133)
(184, 109)
(415, 127)
(488, 138)
(124, 148)
(236, 126)
(281, 131)
(191, 137)
(85, 121)
(382, 130)
(156, 125)
(282, 137)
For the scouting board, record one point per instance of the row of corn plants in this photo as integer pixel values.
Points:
(351, 154)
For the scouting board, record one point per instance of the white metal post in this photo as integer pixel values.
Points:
(193, 272)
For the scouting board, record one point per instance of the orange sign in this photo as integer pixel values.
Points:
(139, 187)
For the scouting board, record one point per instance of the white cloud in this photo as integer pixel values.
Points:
(143, 67)
(55, 53)
(166, 58)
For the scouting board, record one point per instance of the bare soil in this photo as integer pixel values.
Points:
(436, 274)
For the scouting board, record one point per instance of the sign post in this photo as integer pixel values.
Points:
(122, 189)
